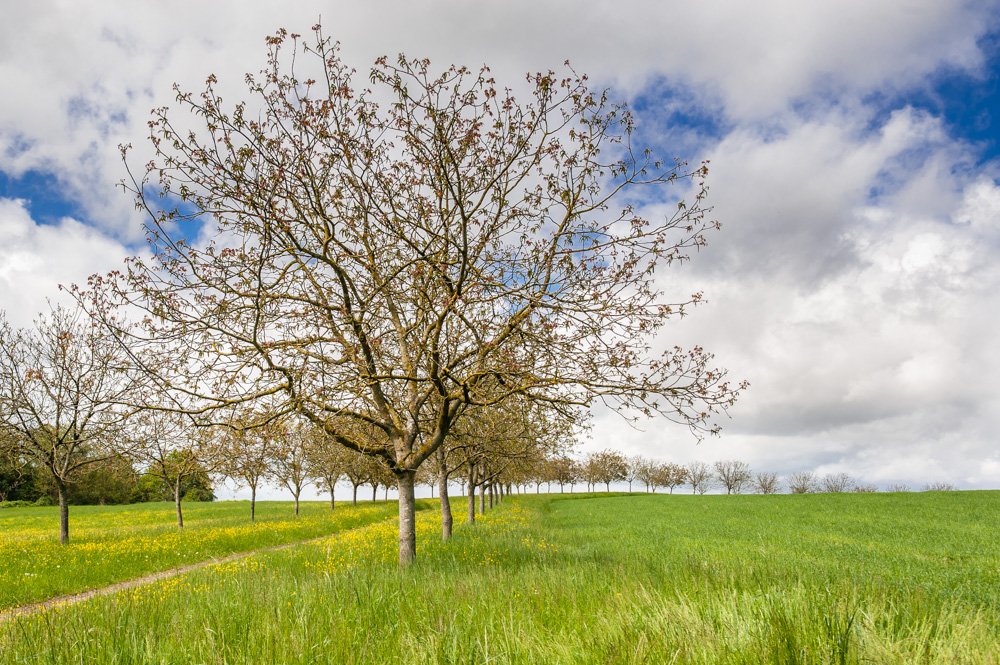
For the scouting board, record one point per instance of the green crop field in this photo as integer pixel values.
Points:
(850, 578)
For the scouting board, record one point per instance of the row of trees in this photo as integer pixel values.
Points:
(732, 476)
(418, 270)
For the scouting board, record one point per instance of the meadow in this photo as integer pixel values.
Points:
(110, 544)
(850, 578)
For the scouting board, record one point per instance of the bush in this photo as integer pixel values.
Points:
(44, 500)
(18, 503)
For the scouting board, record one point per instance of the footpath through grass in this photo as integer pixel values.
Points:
(880, 578)
(110, 544)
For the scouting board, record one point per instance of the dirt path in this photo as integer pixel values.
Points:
(71, 599)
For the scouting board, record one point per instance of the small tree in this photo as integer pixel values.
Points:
(66, 388)
(939, 487)
(898, 487)
(735, 476)
(171, 450)
(246, 456)
(670, 475)
(699, 476)
(290, 457)
(608, 466)
(802, 482)
(837, 482)
(766, 482)
(326, 460)
(866, 488)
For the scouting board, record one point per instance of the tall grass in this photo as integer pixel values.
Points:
(639, 579)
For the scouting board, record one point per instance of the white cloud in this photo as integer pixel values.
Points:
(35, 259)
(853, 283)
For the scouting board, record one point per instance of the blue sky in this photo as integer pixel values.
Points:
(855, 151)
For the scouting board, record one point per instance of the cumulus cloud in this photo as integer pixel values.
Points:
(35, 259)
(854, 280)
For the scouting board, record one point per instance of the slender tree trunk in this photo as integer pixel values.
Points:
(538, 488)
(330, 485)
(472, 504)
(177, 504)
(253, 502)
(355, 500)
(297, 504)
(608, 486)
(446, 517)
(374, 493)
(491, 493)
(63, 515)
(630, 487)
(482, 499)
(386, 492)
(407, 518)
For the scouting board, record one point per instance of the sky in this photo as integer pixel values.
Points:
(855, 167)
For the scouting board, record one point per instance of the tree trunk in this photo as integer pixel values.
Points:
(63, 515)
(253, 502)
(331, 496)
(355, 500)
(296, 504)
(446, 517)
(482, 499)
(177, 504)
(608, 486)
(407, 518)
(472, 504)
(492, 492)
(374, 493)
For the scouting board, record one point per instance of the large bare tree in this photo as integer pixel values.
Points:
(391, 263)
(65, 394)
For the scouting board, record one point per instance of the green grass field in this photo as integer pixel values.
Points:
(869, 578)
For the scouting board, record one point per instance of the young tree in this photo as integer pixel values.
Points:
(393, 264)
(802, 482)
(634, 469)
(699, 476)
(290, 458)
(170, 449)
(766, 483)
(246, 455)
(65, 390)
(735, 476)
(326, 461)
(610, 466)
(837, 482)
(670, 475)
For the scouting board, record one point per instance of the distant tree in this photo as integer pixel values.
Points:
(634, 469)
(939, 487)
(326, 460)
(290, 457)
(734, 475)
(17, 474)
(898, 487)
(171, 449)
(669, 475)
(837, 482)
(699, 477)
(802, 482)
(866, 488)
(246, 455)
(766, 483)
(608, 466)
(66, 388)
